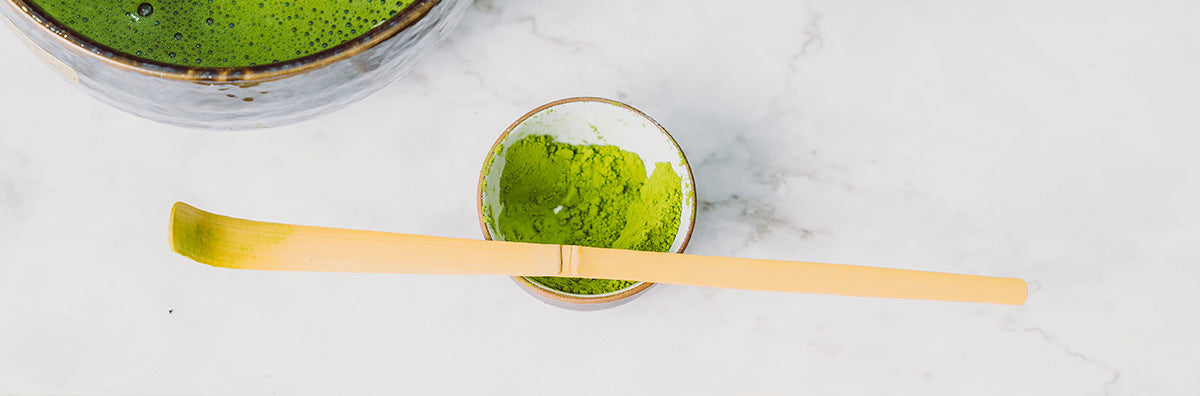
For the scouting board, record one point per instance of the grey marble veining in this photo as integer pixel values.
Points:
(1052, 141)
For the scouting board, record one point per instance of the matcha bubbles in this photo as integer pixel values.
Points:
(221, 33)
(587, 172)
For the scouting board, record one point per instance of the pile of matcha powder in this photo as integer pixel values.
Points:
(588, 195)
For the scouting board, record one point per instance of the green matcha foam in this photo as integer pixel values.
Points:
(221, 33)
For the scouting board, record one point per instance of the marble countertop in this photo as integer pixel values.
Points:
(1052, 141)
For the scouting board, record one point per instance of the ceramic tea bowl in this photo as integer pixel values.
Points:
(238, 97)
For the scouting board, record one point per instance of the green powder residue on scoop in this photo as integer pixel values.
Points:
(587, 195)
(221, 33)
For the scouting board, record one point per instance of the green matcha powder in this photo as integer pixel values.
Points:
(586, 195)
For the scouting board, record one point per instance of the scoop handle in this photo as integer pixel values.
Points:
(796, 276)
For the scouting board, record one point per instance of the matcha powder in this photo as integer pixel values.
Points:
(586, 195)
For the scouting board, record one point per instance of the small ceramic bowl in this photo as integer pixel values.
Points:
(588, 121)
(259, 96)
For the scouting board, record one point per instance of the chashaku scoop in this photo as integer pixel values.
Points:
(228, 242)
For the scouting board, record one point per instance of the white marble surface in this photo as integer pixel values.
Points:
(1053, 141)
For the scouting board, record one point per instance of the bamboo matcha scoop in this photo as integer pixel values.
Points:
(222, 241)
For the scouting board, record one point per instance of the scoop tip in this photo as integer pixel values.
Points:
(182, 216)
(171, 225)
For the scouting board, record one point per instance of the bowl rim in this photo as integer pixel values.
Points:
(572, 298)
(247, 74)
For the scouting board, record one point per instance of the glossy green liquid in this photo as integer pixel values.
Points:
(221, 33)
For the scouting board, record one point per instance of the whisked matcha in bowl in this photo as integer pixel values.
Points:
(221, 33)
(589, 172)
(232, 64)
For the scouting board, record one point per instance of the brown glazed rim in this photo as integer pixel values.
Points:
(252, 74)
(554, 294)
